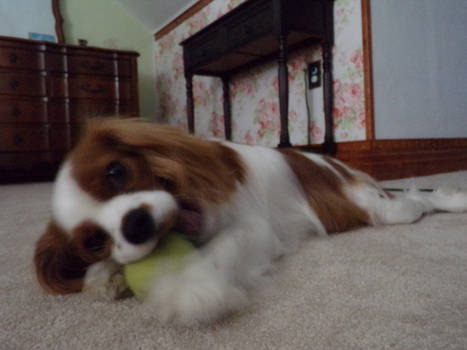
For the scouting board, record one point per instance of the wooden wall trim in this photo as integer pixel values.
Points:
(392, 159)
(192, 10)
(368, 70)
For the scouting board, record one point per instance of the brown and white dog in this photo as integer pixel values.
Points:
(128, 182)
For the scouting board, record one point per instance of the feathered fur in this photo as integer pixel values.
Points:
(243, 206)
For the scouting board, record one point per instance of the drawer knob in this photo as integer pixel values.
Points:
(16, 112)
(13, 58)
(17, 140)
(14, 84)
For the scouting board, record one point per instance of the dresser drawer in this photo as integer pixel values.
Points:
(60, 138)
(79, 111)
(22, 84)
(17, 138)
(91, 65)
(55, 62)
(22, 111)
(57, 112)
(19, 58)
(82, 87)
(124, 67)
(57, 85)
(253, 23)
(124, 90)
(22, 164)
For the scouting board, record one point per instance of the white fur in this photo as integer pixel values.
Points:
(382, 210)
(70, 204)
(268, 216)
(445, 199)
(161, 204)
(104, 280)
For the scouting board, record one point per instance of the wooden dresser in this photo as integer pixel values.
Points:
(46, 90)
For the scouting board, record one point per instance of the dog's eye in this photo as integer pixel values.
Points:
(96, 242)
(167, 184)
(116, 175)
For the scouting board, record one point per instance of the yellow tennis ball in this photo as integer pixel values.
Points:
(168, 256)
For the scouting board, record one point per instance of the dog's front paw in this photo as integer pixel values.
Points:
(104, 281)
(192, 297)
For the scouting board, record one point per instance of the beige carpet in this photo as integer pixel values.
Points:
(393, 287)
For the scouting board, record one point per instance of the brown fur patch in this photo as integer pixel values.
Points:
(92, 156)
(324, 191)
(82, 234)
(59, 269)
(61, 263)
(158, 156)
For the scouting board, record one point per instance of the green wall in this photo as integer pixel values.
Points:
(105, 23)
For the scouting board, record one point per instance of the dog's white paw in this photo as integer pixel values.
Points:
(193, 297)
(450, 199)
(104, 281)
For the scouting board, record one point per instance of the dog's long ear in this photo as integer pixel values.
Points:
(194, 167)
(59, 269)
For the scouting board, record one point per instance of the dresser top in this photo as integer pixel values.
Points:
(13, 40)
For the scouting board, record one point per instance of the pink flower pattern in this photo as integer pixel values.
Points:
(216, 124)
(357, 60)
(254, 94)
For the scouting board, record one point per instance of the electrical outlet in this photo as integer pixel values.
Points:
(314, 74)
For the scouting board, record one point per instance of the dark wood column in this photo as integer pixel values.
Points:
(328, 98)
(283, 92)
(190, 107)
(329, 146)
(227, 108)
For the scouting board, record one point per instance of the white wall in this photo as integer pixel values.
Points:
(19, 17)
(420, 68)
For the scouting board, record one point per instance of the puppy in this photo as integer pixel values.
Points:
(127, 183)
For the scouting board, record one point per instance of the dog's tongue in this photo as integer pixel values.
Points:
(189, 222)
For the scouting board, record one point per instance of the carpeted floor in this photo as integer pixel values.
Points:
(393, 287)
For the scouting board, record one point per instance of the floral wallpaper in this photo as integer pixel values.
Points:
(254, 93)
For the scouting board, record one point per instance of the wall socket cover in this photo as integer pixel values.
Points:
(314, 74)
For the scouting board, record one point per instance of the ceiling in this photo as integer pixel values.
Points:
(154, 14)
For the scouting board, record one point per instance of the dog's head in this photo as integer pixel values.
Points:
(121, 189)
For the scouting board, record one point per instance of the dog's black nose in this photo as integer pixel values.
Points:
(138, 226)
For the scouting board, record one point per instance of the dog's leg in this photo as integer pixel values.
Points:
(406, 208)
(445, 199)
(104, 280)
(215, 282)
(400, 210)
(384, 209)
